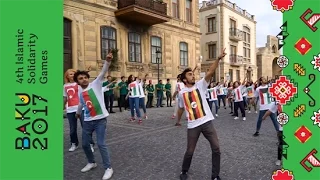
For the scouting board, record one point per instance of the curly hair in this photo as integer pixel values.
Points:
(78, 73)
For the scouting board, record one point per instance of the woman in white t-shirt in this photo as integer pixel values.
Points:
(250, 95)
(238, 99)
(134, 98)
(213, 98)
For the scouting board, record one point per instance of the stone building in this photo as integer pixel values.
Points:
(223, 24)
(267, 58)
(137, 29)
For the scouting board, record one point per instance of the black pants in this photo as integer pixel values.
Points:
(123, 102)
(169, 98)
(223, 98)
(149, 100)
(240, 105)
(108, 100)
(210, 134)
(280, 144)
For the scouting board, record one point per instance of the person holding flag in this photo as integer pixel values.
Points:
(95, 116)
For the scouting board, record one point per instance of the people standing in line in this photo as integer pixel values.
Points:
(123, 88)
(142, 103)
(167, 88)
(175, 96)
(193, 102)
(213, 98)
(150, 91)
(221, 94)
(95, 117)
(238, 99)
(71, 102)
(265, 103)
(230, 97)
(160, 89)
(250, 90)
(109, 94)
(134, 98)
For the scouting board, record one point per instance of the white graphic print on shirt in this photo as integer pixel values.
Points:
(238, 94)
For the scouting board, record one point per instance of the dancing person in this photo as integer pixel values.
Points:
(167, 88)
(238, 99)
(95, 117)
(150, 91)
(213, 98)
(192, 98)
(244, 95)
(142, 104)
(134, 98)
(109, 94)
(221, 94)
(250, 95)
(265, 103)
(175, 96)
(71, 102)
(230, 96)
(123, 88)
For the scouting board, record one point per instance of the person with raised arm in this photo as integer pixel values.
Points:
(95, 116)
(192, 100)
(238, 99)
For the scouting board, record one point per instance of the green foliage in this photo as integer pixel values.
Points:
(114, 61)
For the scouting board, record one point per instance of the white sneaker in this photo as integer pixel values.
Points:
(88, 167)
(249, 112)
(91, 146)
(217, 115)
(278, 162)
(256, 112)
(146, 117)
(244, 118)
(236, 118)
(73, 147)
(107, 174)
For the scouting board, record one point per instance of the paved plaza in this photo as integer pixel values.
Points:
(155, 149)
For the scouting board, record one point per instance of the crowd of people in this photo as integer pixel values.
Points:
(91, 103)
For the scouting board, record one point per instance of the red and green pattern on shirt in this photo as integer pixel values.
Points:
(135, 90)
(264, 96)
(92, 103)
(212, 93)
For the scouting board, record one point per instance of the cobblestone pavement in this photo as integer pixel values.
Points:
(155, 149)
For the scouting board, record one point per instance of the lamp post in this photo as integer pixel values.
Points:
(158, 53)
(249, 71)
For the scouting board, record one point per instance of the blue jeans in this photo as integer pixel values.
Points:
(134, 104)
(159, 100)
(216, 104)
(100, 127)
(273, 118)
(73, 124)
(142, 104)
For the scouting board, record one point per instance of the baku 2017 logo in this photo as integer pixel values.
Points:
(38, 106)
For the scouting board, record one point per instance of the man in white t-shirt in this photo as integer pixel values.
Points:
(95, 117)
(266, 103)
(175, 97)
(192, 100)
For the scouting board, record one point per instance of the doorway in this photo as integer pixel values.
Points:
(67, 45)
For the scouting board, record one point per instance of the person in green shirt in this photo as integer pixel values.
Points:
(168, 93)
(150, 90)
(109, 94)
(160, 89)
(123, 88)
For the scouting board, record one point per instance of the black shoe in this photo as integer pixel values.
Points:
(256, 134)
(231, 113)
(216, 178)
(112, 112)
(183, 176)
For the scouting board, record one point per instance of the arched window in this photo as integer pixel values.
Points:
(274, 49)
(155, 45)
(134, 47)
(108, 39)
(183, 54)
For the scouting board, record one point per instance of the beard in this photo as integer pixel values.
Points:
(192, 82)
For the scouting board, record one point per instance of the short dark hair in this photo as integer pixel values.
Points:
(179, 76)
(78, 73)
(168, 79)
(183, 74)
(122, 77)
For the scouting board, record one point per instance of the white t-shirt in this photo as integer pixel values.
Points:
(265, 99)
(212, 94)
(250, 91)
(92, 99)
(70, 91)
(238, 94)
(220, 90)
(193, 100)
(244, 91)
(142, 95)
(105, 88)
(134, 89)
(179, 86)
(274, 107)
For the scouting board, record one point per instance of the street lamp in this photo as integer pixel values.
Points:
(249, 70)
(158, 53)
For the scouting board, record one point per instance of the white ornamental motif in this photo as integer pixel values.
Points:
(316, 62)
(316, 118)
(282, 61)
(282, 118)
(194, 105)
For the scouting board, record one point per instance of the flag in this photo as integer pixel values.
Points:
(72, 93)
(264, 96)
(92, 103)
(212, 94)
(135, 91)
(250, 91)
(193, 104)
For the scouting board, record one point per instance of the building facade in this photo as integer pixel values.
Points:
(223, 24)
(136, 29)
(267, 59)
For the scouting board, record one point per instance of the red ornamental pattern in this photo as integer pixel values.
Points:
(303, 46)
(282, 90)
(282, 175)
(282, 5)
(303, 134)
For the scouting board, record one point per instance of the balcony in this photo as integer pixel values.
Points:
(147, 12)
(235, 60)
(235, 34)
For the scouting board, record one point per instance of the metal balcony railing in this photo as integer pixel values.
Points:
(152, 5)
(237, 33)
